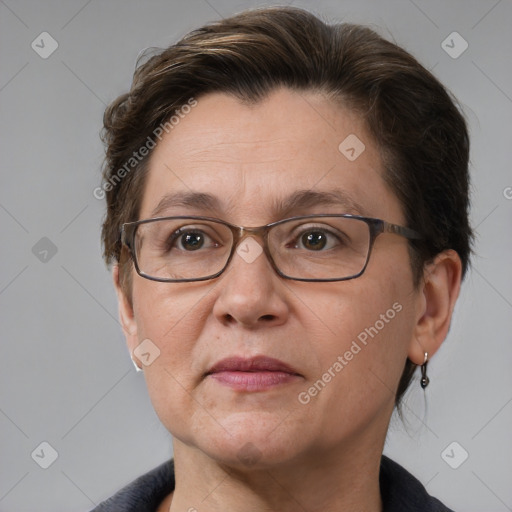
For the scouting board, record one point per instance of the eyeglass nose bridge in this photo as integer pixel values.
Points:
(240, 233)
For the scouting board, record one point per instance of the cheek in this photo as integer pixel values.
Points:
(166, 311)
(367, 322)
(383, 320)
(173, 321)
(362, 356)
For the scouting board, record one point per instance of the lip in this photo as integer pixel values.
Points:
(252, 374)
(252, 364)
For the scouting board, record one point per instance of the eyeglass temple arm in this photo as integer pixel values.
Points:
(401, 230)
(125, 235)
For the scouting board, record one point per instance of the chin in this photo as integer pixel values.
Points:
(253, 441)
(252, 456)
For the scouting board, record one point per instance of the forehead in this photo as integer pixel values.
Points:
(252, 158)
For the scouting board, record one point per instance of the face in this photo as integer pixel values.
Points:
(347, 341)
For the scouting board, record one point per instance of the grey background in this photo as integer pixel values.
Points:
(66, 377)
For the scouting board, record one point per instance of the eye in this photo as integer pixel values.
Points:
(316, 239)
(190, 240)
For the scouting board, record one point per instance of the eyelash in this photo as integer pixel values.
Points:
(183, 231)
(317, 228)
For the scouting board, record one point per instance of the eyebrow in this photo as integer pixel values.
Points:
(298, 200)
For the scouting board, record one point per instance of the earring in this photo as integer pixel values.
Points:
(137, 367)
(424, 379)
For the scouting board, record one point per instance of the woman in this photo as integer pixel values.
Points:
(275, 353)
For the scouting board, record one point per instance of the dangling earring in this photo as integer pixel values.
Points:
(424, 379)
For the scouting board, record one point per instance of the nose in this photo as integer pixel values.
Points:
(251, 292)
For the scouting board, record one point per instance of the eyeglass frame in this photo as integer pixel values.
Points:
(376, 227)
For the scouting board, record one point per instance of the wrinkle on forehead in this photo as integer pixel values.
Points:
(261, 151)
(252, 157)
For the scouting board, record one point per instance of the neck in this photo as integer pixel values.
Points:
(332, 480)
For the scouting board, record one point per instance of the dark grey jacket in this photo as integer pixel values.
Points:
(400, 491)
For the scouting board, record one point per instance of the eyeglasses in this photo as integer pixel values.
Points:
(320, 247)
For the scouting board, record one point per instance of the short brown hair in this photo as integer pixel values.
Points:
(421, 134)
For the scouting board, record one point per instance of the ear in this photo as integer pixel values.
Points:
(126, 315)
(438, 293)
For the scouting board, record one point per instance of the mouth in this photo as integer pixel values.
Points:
(254, 374)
